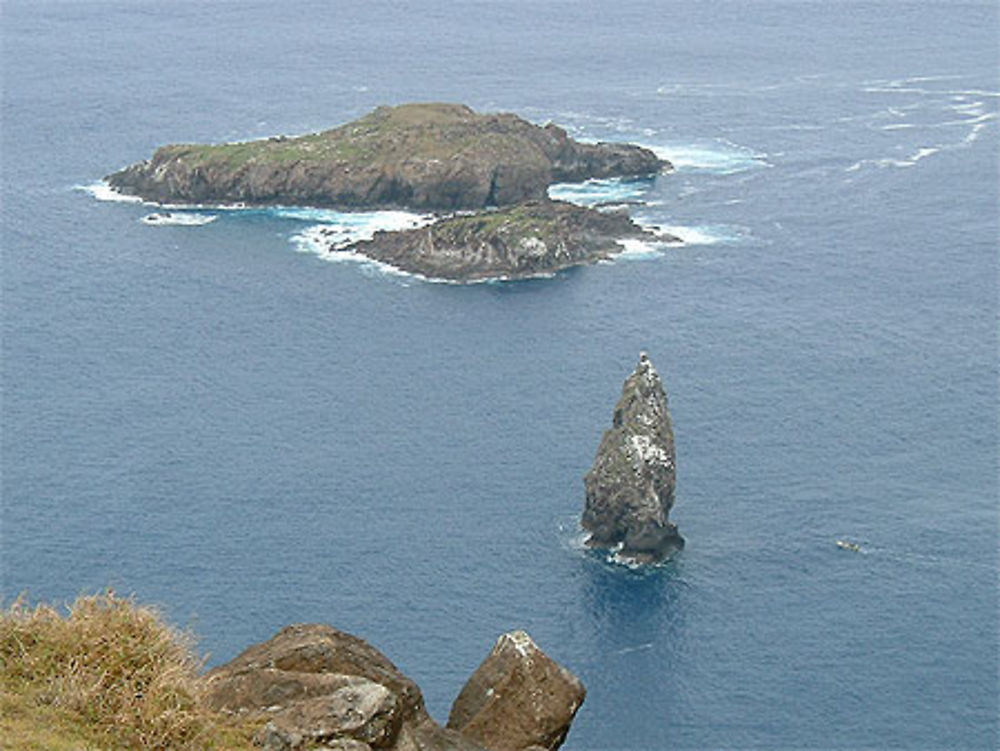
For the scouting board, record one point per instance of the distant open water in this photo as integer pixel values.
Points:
(251, 436)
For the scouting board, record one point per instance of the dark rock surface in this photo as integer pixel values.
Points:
(518, 698)
(320, 687)
(421, 156)
(630, 487)
(532, 239)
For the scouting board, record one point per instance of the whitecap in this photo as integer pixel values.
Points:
(102, 191)
(186, 219)
(919, 154)
(611, 192)
(699, 234)
(375, 267)
(974, 133)
(337, 230)
(634, 249)
(331, 243)
(718, 157)
(353, 226)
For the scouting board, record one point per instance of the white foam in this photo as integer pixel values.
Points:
(719, 157)
(969, 108)
(612, 191)
(102, 191)
(186, 219)
(338, 230)
(699, 234)
(331, 244)
(634, 249)
(974, 133)
(909, 161)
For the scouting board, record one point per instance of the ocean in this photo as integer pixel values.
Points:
(210, 414)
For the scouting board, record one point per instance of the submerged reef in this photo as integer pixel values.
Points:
(425, 156)
(630, 487)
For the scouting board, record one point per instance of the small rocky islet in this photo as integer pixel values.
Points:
(494, 169)
(630, 487)
(531, 239)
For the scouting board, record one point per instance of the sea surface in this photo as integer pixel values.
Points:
(210, 413)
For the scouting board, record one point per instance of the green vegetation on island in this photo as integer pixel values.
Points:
(427, 156)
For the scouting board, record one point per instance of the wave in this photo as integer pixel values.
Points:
(186, 219)
(337, 230)
(314, 241)
(634, 249)
(697, 234)
(919, 154)
(719, 157)
(102, 191)
(329, 244)
(600, 192)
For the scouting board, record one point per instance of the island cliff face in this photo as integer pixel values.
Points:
(532, 239)
(439, 157)
(630, 488)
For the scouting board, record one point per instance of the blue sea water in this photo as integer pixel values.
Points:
(251, 436)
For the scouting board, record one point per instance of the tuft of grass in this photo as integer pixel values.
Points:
(108, 674)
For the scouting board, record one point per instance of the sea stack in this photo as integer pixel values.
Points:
(630, 487)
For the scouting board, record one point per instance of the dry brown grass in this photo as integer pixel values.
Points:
(107, 674)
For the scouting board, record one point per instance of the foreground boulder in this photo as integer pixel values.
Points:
(533, 239)
(422, 156)
(630, 487)
(518, 698)
(318, 686)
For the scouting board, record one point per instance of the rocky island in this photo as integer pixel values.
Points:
(531, 239)
(427, 156)
(630, 487)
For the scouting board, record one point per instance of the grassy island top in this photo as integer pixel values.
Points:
(423, 156)
(385, 135)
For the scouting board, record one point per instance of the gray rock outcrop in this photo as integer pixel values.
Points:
(427, 156)
(318, 686)
(630, 487)
(519, 698)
